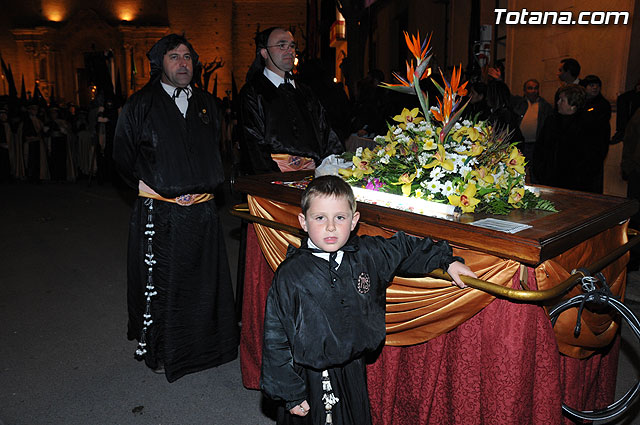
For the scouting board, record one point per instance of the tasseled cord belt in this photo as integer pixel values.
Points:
(150, 290)
(328, 398)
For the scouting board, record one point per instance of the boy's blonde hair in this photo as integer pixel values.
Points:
(327, 186)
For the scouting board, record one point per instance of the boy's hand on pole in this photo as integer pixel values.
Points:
(456, 269)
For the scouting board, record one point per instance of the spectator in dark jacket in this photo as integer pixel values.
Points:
(566, 155)
(501, 113)
(598, 112)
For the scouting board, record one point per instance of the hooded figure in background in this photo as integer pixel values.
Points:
(284, 126)
(180, 299)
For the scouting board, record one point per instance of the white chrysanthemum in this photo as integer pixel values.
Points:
(464, 170)
(499, 173)
(403, 138)
(430, 197)
(359, 152)
(385, 159)
(410, 125)
(419, 172)
(434, 186)
(381, 152)
(436, 173)
(467, 123)
(379, 139)
(459, 148)
(397, 131)
(448, 189)
(423, 158)
(457, 126)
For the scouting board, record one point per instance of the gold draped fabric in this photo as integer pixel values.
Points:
(598, 329)
(420, 309)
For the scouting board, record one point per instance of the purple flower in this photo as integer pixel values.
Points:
(374, 184)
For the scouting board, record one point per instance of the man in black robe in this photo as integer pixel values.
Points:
(34, 149)
(6, 147)
(279, 115)
(180, 298)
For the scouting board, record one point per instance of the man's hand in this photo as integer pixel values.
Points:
(456, 269)
(495, 73)
(301, 409)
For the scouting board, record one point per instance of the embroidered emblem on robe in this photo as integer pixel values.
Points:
(364, 283)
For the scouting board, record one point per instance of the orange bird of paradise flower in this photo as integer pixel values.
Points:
(421, 53)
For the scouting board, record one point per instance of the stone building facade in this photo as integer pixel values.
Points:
(55, 42)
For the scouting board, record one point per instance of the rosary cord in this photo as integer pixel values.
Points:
(150, 288)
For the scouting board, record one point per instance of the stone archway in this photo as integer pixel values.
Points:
(85, 42)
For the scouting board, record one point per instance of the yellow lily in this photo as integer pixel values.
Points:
(439, 158)
(407, 116)
(405, 180)
(515, 163)
(476, 149)
(466, 201)
(367, 154)
(472, 134)
(390, 149)
(345, 172)
(516, 196)
(361, 168)
(483, 175)
(389, 136)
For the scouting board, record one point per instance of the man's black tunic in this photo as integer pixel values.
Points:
(194, 325)
(318, 319)
(283, 120)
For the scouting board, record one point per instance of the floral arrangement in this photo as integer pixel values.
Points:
(433, 156)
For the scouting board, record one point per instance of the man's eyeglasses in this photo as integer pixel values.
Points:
(285, 46)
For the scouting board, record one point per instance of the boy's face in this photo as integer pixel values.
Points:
(329, 222)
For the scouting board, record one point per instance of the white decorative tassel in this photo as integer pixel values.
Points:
(150, 292)
(329, 399)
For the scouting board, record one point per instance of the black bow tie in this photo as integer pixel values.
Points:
(332, 260)
(288, 77)
(178, 90)
(333, 264)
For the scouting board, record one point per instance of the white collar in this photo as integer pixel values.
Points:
(171, 90)
(275, 79)
(325, 255)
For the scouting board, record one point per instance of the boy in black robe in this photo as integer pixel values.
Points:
(326, 308)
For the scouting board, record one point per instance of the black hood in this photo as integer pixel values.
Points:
(162, 46)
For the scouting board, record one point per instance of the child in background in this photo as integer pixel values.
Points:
(326, 308)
